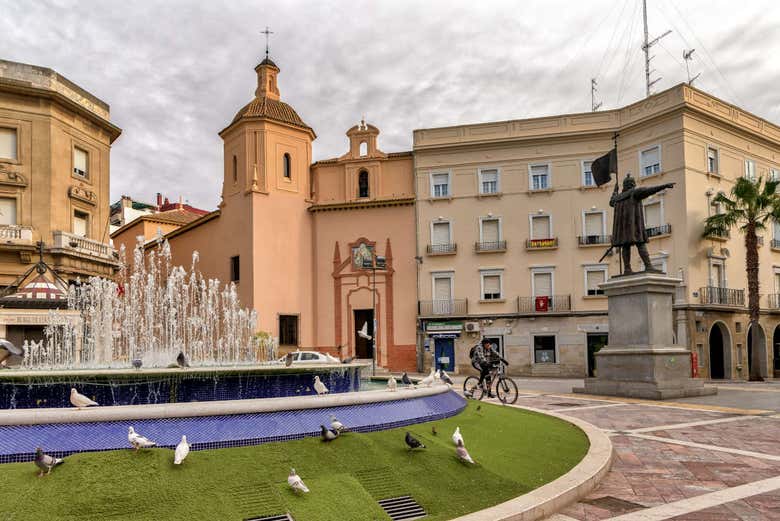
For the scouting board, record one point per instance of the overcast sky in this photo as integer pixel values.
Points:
(175, 73)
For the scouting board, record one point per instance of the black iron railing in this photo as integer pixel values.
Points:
(719, 234)
(542, 304)
(775, 244)
(443, 307)
(442, 249)
(585, 240)
(490, 246)
(724, 296)
(535, 244)
(655, 231)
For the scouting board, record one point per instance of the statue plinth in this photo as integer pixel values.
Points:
(641, 360)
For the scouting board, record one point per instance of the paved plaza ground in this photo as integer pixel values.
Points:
(714, 458)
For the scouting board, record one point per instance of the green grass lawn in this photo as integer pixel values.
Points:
(515, 451)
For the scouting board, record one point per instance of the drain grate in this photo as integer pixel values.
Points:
(258, 498)
(278, 517)
(381, 482)
(403, 507)
(614, 504)
(567, 404)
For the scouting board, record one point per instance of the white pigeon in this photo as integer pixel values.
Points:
(296, 483)
(456, 436)
(336, 425)
(363, 333)
(428, 380)
(319, 386)
(391, 384)
(79, 400)
(462, 453)
(182, 450)
(138, 441)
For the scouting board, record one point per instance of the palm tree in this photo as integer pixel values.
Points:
(751, 206)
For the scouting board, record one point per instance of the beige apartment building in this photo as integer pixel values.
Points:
(511, 230)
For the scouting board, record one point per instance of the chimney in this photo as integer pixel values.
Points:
(167, 202)
(127, 202)
(181, 202)
(159, 201)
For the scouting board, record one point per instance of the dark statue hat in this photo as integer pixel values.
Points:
(629, 182)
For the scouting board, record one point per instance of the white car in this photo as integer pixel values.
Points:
(311, 357)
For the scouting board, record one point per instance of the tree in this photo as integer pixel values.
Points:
(753, 204)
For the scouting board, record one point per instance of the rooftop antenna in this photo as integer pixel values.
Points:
(688, 56)
(267, 34)
(646, 47)
(593, 90)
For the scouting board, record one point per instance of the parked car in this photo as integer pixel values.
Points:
(311, 357)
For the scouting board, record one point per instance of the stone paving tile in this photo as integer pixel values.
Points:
(549, 403)
(652, 473)
(753, 434)
(764, 507)
(633, 416)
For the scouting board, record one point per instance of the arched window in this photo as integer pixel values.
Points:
(363, 149)
(287, 166)
(235, 169)
(363, 184)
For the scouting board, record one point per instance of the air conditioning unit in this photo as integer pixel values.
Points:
(471, 327)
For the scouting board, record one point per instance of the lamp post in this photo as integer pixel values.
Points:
(376, 262)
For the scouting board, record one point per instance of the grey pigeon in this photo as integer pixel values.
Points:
(137, 363)
(413, 442)
(45, 462)
(182, 361)
(288, 360)
(327, 434)
(446, 378)
(462, 453)
(406, 380)
(336, 425)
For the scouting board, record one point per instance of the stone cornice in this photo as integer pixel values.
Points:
(359, 205)
(82, 194)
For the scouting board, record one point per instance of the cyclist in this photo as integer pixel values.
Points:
(485, 359)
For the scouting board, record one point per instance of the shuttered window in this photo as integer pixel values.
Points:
(593, 278)
(712, 160)
(7, 211)
(717, 275)
(776, 231)
(653, 215)
(8, 143)
(540, 177)
(491, 286)
(490, 230)
(442, 288)
(594, 224)
(441, 233)
(542, 283)
(440, 185)
(651, 161)
(777, 282)
(489, 184)
(288, 330)
(80, 223)
(80, 162)
(540, 227)
(750, 169)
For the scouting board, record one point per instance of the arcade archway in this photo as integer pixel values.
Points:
(720, 351)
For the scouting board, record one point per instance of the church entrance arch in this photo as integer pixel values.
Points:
(720, 351)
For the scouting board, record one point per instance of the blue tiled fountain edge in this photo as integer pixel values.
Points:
(18, 443)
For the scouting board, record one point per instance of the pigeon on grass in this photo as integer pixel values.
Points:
(79, 400)
(412, 442)
(319, 386)
(336, 425)
(462, 453)
(182, 450)
(327, 434)
(457, 437)
(45, 462)
(296, 483)
(138, 441)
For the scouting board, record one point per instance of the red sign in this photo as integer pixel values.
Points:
(694, 364)
(542, 304)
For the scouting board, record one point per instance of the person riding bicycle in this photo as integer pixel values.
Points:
(485, 359)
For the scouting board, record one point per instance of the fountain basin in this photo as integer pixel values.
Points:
(40, 389)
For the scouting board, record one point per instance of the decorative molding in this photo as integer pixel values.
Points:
(82, 194)
(10, 177)
(359, 205)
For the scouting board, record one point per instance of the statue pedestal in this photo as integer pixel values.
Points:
(641, 360)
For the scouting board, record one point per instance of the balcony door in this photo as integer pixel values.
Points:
(7, 211)
(442, 295)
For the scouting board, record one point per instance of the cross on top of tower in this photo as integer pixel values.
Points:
(267, 34)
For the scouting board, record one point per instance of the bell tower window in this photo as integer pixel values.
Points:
(363, 149)
(287, 166)
(363, 184)
(235, 169)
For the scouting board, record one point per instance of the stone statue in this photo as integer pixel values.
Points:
(628, 222)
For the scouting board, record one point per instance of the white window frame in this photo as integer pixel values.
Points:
(533, 349)
(15, 199)
(654, 200)
(491, 272)
(531, 178)
(500, 226)
(531, 225)
(541, 270)
(582, 172)
(722, 263)
(441, 221)
(755, 169)
(774, 174)
(449, 184)
(86, 174)
(586, 268)
(498, 180)
(603, 221)
(775, 229)
(87, 222)
(660, 162)
(707, 159)
(14, 159)
(775, 273)
(447, 274)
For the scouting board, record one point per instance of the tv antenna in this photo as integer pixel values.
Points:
(594, 88)
(646, 47)
(688, 56)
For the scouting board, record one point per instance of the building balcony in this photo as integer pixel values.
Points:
(541, 244)
(657, 231)
(452, 307)
(491, 246)
(722, 296)
(719, 235)
(541, 304)
(594, 240)
(70, 243)
(450, 248)
(12, 234)
(773, 301)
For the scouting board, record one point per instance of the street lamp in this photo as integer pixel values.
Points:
(376, 262)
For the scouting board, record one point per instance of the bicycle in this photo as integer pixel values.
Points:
(506, 388)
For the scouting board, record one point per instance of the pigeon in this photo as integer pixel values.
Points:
(348, 360)
(138, 441)
(446, 378)
(413, 442)
(428, 380)
(296, 483)
(79, 400)
(406, 380)
(319, 386)
(391, 385)
(137, 363)
(327, 434)
(463, 454)
(437, 376)
(363, 333)
(456, 437)
(288, 360)
(182, 361)
(45, 462)
(336, 425)
(182, 450)
(434, 431)
(479, 408)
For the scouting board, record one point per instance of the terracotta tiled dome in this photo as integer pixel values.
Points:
(264, 107)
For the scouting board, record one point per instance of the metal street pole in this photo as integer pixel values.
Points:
(373, 316)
